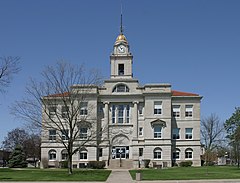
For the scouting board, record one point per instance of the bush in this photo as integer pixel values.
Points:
(44, 162)
(63, 164)
(174, 164)
(209, 163)
(96, 164)
(146, 163)
(185, 163)
(56, 164)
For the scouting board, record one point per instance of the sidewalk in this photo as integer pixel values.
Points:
(120, 176)
(123, 176)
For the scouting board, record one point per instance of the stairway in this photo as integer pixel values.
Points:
(125, 164)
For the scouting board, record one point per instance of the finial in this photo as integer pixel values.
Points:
(121, 27)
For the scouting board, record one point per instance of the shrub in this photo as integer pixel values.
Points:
(185, 163)
(209, 163)
(146, 163)
(174, 164)
(63, 164)
(96, 164)
(56, 164)
(44, 162)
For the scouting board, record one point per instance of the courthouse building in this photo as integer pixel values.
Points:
(148, 122)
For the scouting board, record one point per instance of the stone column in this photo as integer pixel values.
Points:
(106, 155)
(106, 117)
(135, 119)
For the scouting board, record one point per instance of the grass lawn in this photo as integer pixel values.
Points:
(7, 174)
(189, 173)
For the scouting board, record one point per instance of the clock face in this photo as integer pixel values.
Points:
(121, 49)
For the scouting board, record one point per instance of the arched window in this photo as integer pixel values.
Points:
(176, 154)
(188, 153)
(64, 154)
(52, 154)
(121, 88)
(157, 153)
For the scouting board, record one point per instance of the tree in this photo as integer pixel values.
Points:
(212, 131)
(30, 143)
(232, 126)
(8, 67)
(32, 147)
(14, 138)
(17, 158)
(56, 102)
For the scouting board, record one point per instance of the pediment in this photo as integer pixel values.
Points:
(158, 122)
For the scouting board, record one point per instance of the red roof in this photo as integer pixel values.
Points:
(65, 94)
(179, 93)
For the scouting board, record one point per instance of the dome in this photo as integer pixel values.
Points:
(121, 38)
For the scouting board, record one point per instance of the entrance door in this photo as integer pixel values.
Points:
(121, 152)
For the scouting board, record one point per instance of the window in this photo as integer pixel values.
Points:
(52, 154)
(188, 153)
(157, 107)
(64, 154)
(52, 111)
(113, 114)
(188, 133)
(140, 151)
(121, 88)
(140, 109)
(100, 109)
(83, 155)
(83, 133)
(157, 153)
(100, 132)
(83, 108)
(52, 135)
(176, 154)
(100, 152)
(120, 69)
(127, 114)
(65, 133)
(188, 111)
(176, 111)
(140, 133)
(157, 131)
(175, 133)
(121, 113)
(65, 110)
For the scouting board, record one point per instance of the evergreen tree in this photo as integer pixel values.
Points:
(232, 125)
(17, 158)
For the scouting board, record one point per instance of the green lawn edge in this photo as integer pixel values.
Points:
(7, 174)
(189, 173)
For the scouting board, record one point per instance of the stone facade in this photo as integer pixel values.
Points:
(150, 122)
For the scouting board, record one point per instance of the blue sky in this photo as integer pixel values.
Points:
(193, 45)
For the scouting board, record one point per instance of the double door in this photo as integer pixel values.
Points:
(121, 152)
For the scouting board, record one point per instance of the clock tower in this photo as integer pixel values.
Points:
(121, 58)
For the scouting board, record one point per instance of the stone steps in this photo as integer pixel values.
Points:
(125, 164)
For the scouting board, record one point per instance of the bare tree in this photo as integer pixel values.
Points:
(60, 104)
(8, 67)
(212, 131)
(14, 138)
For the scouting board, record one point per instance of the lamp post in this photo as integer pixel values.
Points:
(226, 157)
(120, 152)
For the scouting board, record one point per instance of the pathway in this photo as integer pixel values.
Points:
(120, 176)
